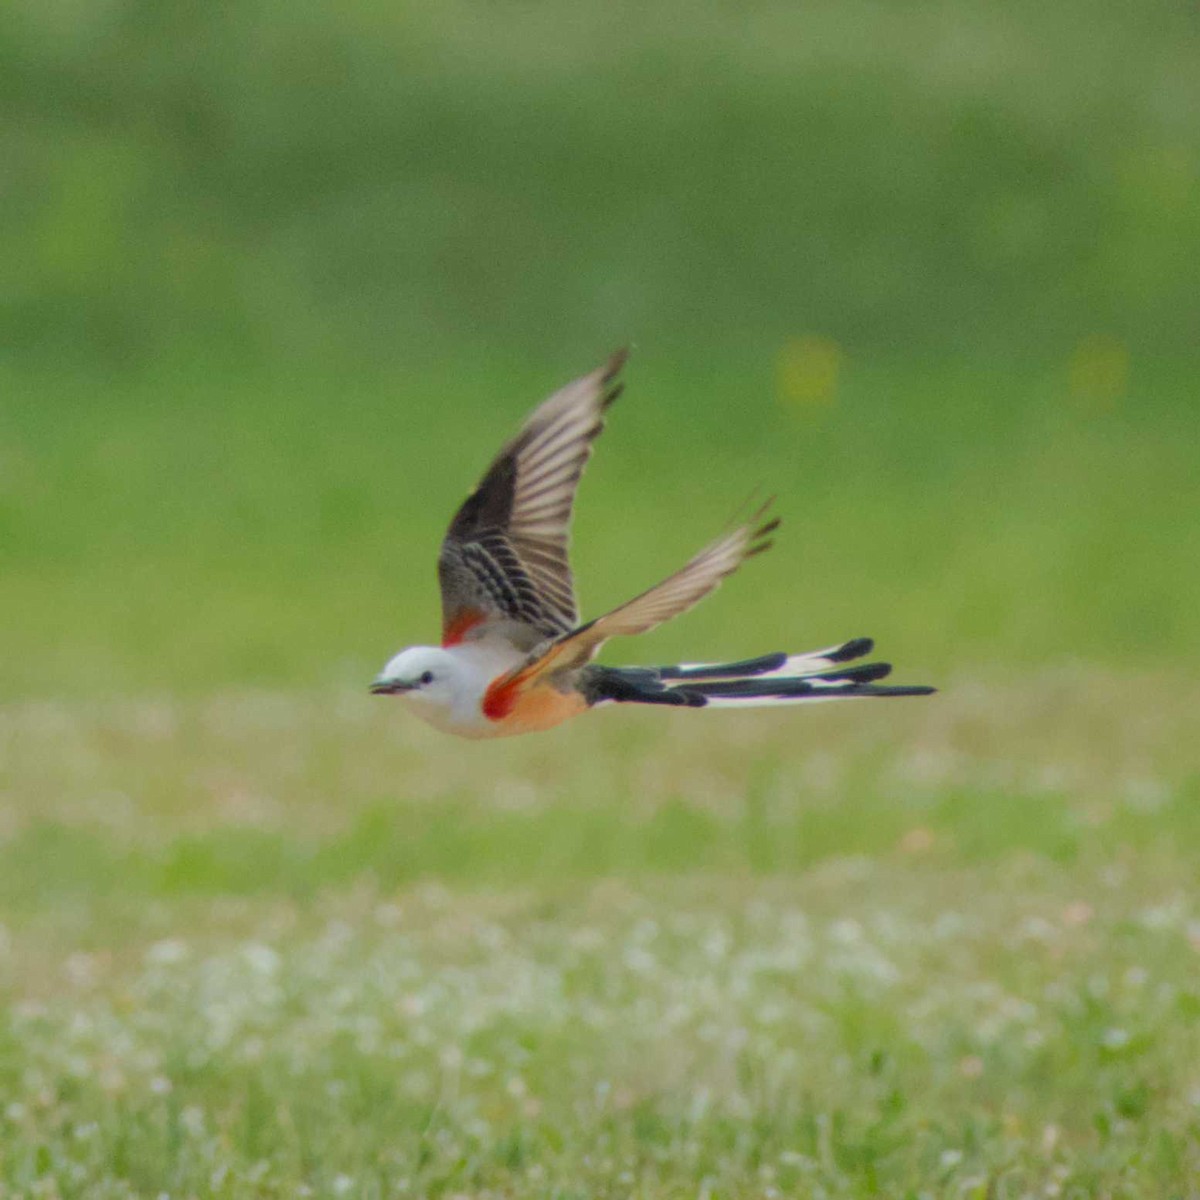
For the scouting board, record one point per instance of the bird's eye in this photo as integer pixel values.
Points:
(427, 677)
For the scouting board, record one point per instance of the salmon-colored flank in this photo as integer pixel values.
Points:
(523, 704)
(455, 630)
(504, 691)
(525, 699)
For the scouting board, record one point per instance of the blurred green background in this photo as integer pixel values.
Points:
(278, 278)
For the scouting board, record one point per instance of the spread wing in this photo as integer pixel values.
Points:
(676, 594)
(504, 559)
(681, 591)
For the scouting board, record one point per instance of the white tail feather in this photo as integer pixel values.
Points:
(769, 701)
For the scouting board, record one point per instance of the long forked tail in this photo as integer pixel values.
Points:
(772, 679)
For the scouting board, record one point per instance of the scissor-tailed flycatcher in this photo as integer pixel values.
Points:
(514, 657)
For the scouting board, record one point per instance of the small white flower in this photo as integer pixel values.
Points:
(261, 958)
(167, 952)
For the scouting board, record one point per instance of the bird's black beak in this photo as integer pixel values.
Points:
(389, 687)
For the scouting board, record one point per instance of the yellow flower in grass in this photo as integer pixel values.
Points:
(1099, 372)
(806, 373)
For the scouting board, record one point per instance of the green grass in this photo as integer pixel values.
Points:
(259, 942)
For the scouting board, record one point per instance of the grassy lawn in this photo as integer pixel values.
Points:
(280, 943)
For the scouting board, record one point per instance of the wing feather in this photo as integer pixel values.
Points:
(504, 561)
(700, 576)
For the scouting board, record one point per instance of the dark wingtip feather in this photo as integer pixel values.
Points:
(760, 538)
(616, 360)
(609, 373)
(747, 514)
(610, 397)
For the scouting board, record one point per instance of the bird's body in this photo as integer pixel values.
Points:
(514, 657)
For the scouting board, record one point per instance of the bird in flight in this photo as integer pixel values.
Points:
(514, 656)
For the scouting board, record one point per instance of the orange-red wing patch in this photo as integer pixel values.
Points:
(501, 697)
(455, 630)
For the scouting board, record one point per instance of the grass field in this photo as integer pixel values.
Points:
(281, 943)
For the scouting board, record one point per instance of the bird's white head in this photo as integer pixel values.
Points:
(428, 676)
